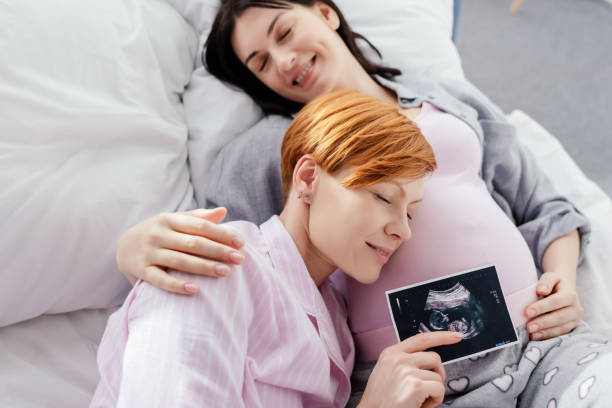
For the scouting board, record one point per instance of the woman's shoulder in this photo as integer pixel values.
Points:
(255, 250)
(245, 229)
(423, 85)
(252, 234)
(249, 281)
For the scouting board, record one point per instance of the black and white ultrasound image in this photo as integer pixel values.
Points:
(471, 303)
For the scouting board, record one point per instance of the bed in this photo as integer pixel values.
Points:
(108, 118)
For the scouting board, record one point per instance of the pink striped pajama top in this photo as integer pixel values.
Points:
(266, 336)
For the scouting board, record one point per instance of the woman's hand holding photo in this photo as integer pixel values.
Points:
(188, 241)
(407, 376)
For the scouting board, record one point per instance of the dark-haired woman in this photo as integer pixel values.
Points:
(487, 203)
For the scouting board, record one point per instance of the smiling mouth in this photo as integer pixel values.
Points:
(298, 81)
(377, 249)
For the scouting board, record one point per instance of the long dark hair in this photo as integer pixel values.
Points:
(221, 60)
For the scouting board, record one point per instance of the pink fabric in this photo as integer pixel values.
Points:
(457, 227)
(263, 337)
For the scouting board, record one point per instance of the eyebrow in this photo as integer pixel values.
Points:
(270, 29)
(271, 26)
(251, 55)
(402, 191)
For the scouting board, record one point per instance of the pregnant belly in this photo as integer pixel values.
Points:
(457, 227)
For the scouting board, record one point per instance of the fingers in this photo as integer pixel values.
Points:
(425, 360)
(555, 322)
(188, 224)
(159, 278)
(215, 215)
(187, 263)
(555, 331)
(424, 341)
(435, 391)
(200, 246)
(422, 384)
(552, 302)
(547, 282)
(407, 379)
(428, 375)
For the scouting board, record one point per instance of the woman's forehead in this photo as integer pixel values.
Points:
(254, 26)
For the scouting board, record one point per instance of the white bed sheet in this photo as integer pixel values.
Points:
(50, 361)
(594, 280)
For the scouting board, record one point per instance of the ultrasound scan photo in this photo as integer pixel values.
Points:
(469, 302)
(455, 309)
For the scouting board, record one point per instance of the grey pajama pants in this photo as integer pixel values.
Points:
(573, 370)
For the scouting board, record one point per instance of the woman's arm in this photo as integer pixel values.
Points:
(560, 310)
(175, 356)
(188, 242)
(245, 177)
(553, 228)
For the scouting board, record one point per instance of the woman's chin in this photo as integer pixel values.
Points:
(367, 277)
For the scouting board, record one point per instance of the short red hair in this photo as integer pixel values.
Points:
(348, 127)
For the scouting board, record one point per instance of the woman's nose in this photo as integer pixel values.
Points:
(286, 61)
(400, 229)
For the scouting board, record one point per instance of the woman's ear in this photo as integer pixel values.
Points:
(305, 175)
(328, 14)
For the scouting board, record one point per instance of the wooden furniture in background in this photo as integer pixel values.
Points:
(516, 5)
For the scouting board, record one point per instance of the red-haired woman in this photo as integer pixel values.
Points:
(275, 333)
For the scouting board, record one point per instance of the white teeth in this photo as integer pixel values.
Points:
(380, 251)
(304, 72)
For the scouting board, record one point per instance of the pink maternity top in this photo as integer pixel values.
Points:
(475, 232)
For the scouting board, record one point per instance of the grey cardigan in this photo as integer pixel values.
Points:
(245, 177)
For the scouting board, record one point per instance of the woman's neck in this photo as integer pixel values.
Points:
(295, 219)
(363, 82)
(374, 89)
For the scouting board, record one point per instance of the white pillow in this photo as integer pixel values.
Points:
(594, 279)
(93, 141)
(413, 35)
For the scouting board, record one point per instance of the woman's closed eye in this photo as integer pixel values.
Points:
(285, 34)
(383, 199)
(386, 201)
(263, 64)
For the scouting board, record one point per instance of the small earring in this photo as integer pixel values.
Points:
(307, 198)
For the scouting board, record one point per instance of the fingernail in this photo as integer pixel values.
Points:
(533, 327)
(236, 257)
(458, 335)
(537, 336)
(237, 242)
(191, 288)
(531, 312)
(222, 270)
(542, 288)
